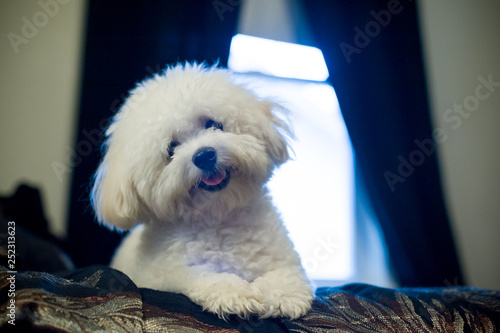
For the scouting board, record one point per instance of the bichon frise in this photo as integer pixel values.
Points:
(187, 159)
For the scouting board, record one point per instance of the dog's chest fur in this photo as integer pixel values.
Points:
(234, 245)
(229, 250)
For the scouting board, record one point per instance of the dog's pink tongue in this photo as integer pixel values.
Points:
(214, 180)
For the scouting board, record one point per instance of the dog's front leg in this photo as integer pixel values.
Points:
(225, 294)
(288, 292)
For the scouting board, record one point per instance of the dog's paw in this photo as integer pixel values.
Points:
(226, 299)
(234, 303)
(291, 307)
(290, 298)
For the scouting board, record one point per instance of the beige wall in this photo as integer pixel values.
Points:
(40, 53)
(462, 43)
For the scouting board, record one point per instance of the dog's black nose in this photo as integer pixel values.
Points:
(205, 158)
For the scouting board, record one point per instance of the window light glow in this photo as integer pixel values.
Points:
(314, 192)
(253, 54)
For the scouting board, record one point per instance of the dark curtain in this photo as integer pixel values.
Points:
(374, 55)
(125, 43)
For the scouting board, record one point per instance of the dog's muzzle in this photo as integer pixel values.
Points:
(213, 180)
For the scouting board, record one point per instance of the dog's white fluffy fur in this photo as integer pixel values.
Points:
(224, 247)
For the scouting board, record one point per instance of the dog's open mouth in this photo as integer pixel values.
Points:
(215, 182)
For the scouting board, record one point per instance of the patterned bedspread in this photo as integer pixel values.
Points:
(100, 299)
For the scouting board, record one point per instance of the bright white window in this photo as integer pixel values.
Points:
(315, 191)
(278, 59)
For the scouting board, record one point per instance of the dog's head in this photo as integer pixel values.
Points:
(187, 141)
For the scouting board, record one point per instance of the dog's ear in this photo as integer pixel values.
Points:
(114, 197)
(279, 134)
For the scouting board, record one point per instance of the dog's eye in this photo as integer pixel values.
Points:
(171, 148)
(213, 124)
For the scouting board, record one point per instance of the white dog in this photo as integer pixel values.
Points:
(188, 156)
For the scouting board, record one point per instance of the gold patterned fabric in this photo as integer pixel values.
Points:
(364, 308)
(100, 299)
